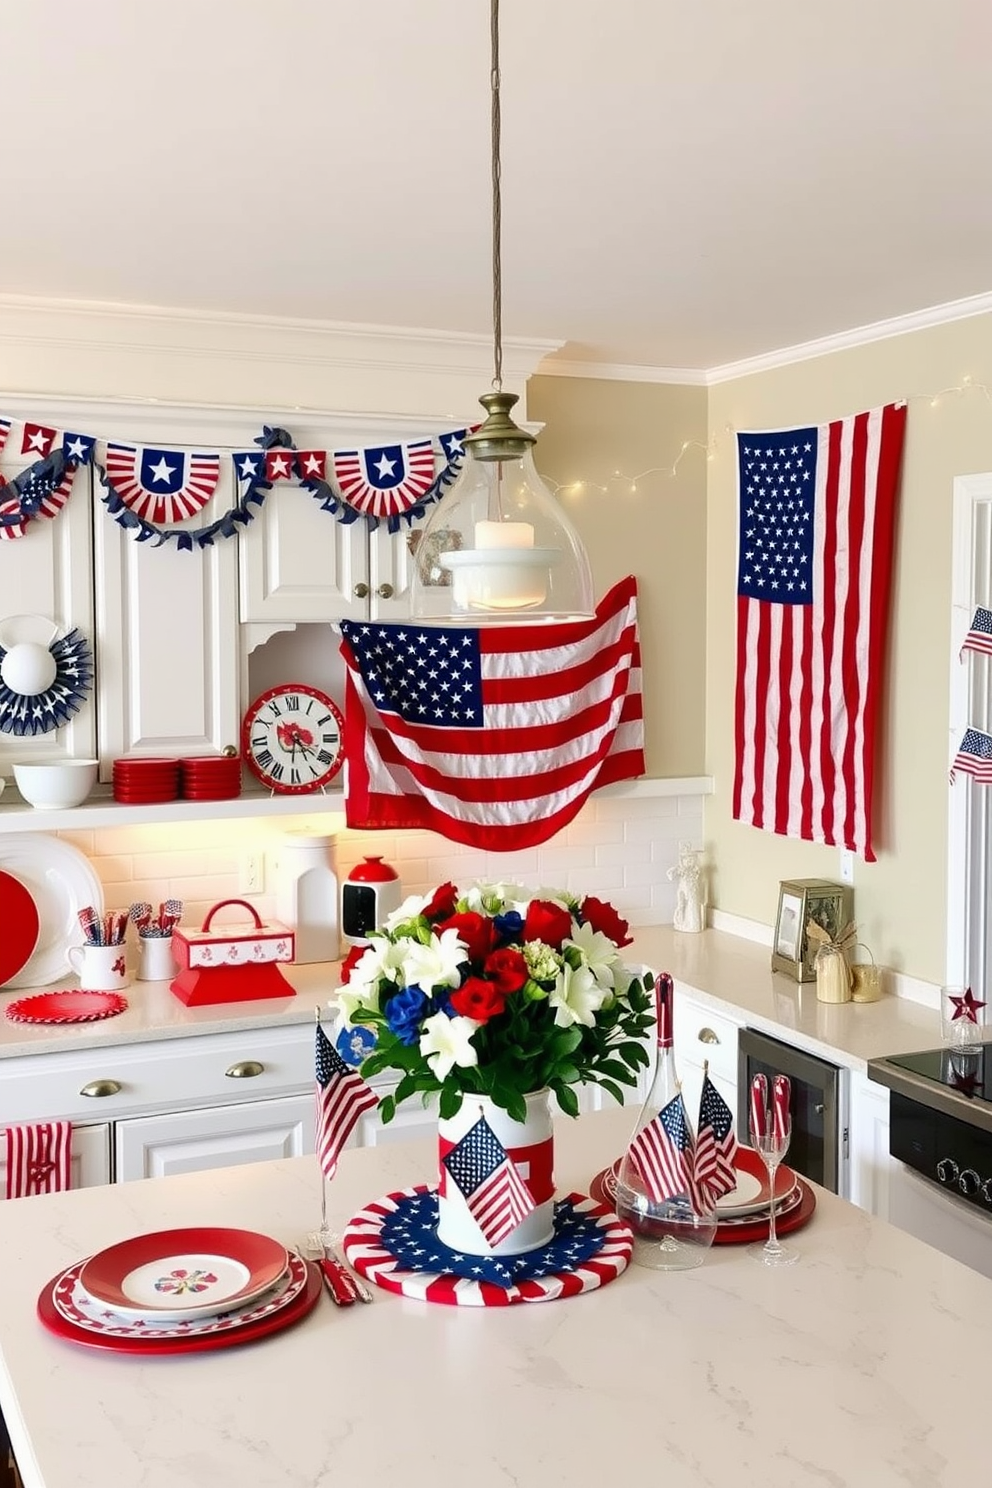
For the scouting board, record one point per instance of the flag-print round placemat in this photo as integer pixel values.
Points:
(393, 1242)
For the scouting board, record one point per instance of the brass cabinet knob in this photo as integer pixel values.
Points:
(97, 1088)
(707, 1036)
(361, 591)
(385, 591)
(247, 1069)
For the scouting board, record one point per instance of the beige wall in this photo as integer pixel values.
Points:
(658, 532)
(900, 899)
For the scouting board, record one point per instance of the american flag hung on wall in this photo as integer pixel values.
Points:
(491, 735)
(816, 509)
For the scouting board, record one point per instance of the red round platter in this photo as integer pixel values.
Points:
(736, 1230)
(19, 918)
(69, 1006)
(273, 1323)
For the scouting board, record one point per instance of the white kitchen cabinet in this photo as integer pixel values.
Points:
(191, 1141)
(870, 1165)
(703, 1036)
(89, 1159)
(412, 1120)
(49, 572)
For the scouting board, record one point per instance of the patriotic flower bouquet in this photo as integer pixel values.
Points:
(499, 992)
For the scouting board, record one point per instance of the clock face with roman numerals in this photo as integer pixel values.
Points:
(291, 738)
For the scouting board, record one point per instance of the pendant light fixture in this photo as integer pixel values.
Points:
(498, 546)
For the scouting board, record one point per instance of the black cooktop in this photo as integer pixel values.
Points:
(958, 1081)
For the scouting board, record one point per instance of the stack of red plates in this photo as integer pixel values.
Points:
(141, 782)
(212, 777)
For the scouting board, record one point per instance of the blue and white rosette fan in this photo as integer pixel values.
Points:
(44, 678)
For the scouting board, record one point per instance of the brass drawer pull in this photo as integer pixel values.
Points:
(707, 1036)
(246, 1070)
(98, 1088)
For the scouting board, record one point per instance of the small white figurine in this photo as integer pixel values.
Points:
(688, 903)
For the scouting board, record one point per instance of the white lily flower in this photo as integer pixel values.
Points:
(438, 964)
(445, 1042)
(576, 997)
(598, 953)
(412, 906)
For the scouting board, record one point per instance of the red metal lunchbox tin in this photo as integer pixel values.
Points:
(233, 962)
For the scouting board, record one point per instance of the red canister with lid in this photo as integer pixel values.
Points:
(369, 893)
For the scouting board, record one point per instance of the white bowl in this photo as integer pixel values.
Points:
(54, 787)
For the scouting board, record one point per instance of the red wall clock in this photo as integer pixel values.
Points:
(292, 738)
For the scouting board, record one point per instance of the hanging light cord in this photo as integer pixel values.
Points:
(497, 205)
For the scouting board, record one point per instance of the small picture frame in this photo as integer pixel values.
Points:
(828, 904)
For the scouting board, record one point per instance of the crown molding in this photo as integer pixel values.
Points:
(621, 372)
(879, 330)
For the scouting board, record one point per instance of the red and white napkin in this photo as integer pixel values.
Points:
(38, 1159)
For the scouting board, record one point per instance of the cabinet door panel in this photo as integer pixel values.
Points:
(89, 1162)
(298, 563)
(167, 633)
(49, 572)
(191, 1141)
(390, 573)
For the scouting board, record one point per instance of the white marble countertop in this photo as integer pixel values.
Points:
(860, 1367)
(722, 971)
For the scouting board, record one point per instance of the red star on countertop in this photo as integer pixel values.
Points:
(966, 1007)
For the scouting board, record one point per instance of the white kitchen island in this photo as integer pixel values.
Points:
(860, 1367)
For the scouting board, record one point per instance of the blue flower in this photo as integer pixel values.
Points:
(509, 926)
(404, 1012)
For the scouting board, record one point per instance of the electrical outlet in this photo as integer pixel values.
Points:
(846, 865)
(251, 873)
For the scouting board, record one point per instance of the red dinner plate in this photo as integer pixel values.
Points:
(274, 1323)
(736, 1230)
(184, 1273)
(71, 1006)
(19, 922)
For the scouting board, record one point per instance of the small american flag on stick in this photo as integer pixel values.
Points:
(497, 1197)
(974, 757)
(663, 1151)
(716, 1144)
(342, 1097)
(979, 637)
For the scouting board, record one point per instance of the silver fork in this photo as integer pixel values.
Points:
(322, 1240)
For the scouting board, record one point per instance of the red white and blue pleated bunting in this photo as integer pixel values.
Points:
(162, 485)
(385, 480)
(48, 500)
(4, 431)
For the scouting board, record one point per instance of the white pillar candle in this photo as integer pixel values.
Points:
(504, 535)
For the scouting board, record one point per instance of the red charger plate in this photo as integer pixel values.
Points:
(19, 918)
(738, 1231)
(71, 1006)
(297, 1309)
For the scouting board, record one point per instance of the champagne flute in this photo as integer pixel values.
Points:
(771, 1129)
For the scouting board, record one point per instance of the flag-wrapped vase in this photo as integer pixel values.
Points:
(503, 1212)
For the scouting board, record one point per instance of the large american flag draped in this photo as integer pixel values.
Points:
(38, 1158)
(495, 735)
(663, 1152)
(716, 1145)
(342, 1096)
(497, 1197)
(816, 525)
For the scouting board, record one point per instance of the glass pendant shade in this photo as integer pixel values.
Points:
(498, 547)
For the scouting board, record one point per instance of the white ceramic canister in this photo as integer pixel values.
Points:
(307, 894)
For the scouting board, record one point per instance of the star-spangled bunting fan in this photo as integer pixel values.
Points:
(663, 1151)
(974, 757)
(162, 485)
(342, 1097)
(979, 637)
(497, 1197)
(493, 736)
(387, 480)
(816, 511)
(716, 1145)
(34, 493)
(39, 1159)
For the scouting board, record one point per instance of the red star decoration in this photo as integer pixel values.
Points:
(966, 1007)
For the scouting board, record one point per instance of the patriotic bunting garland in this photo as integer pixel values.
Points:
(148, 490)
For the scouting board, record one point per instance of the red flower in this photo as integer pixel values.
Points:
(478, 999)
(350, 962)
(548, 922)
(604, 918)
(442, 903)
(506, 969)
(476, 931)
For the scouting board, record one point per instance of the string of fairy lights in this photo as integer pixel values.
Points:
(632, 484)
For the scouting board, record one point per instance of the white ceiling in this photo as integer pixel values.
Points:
(686, 183)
